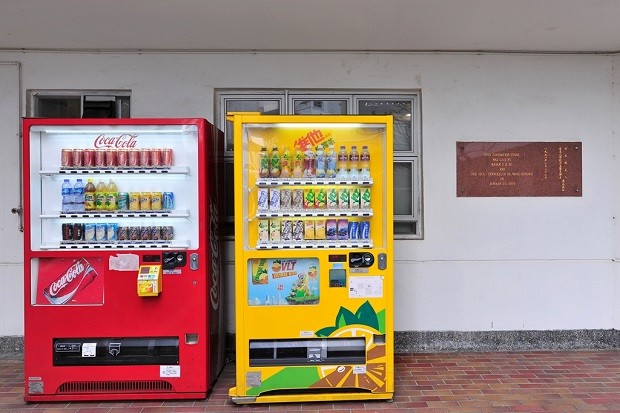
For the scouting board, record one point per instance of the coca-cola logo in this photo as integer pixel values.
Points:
(71, 274)
(214, 245)
(124, 141)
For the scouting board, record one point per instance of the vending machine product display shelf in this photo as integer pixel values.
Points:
(359, 243)
(117, 170)
(315, 213)
(81, 245)
(164, 213)
(262, 182)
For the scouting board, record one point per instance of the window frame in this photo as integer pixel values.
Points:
(119, 96)
(288, 97)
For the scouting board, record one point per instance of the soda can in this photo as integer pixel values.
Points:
(309, 198)
(274, 199)
(133, 158)
(100, 158)
(364, 230)
(100, 232)
(331, 231)
(145, 201)
(298, 230)
(274, 230)
(134, 201)
(156, 201)
(298, 199)
(145, 156)
(89, 232)
(122, 158)
(167, 232)
(134, 233)
(122, 233)
(309, 229)
(286, 199)
(353, 230)
(319, 229)
(156, 233)
(122, 202)
(111, 231)
(343, 229)
(354, 199)
(332, 198)
(77, 160)
(365, 199)
(168, 203)
(67, 232)
(156, 157)
(263, 199)
(320, 198)
(343, 198)
(167, 157)
(145, 233)
(78, 232)
(88, 158)
(110, 158)
(287, 230)
(263, 231)
(66, 158)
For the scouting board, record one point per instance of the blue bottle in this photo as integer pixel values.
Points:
(67, 196)
(78, 196)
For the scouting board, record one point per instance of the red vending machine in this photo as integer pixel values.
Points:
(122, 273)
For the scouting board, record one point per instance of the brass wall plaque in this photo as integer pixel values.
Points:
(518, 169)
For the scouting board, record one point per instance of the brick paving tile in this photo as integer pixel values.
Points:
(530, 381)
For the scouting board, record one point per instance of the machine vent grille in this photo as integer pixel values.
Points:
(143, 386)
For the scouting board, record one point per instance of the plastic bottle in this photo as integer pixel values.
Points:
(263, 167)
(320, 162)
(111, 195)
(298, 163)
(343, 163)
(354, 163)
(365, 162)
(67, 196)
(89, 195)
(100, 196)
(309, 162)
(330, 171)
(78, 196)
(274, 163)
(285, 163)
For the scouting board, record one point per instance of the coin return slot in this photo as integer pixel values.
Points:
(288, 352)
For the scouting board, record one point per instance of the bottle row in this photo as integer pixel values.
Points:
(105, 232)
(297, 199)
(277, 230)
(116, 158)
(308, 163)
(79, 198)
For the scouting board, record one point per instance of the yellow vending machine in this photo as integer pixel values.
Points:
(314, 266)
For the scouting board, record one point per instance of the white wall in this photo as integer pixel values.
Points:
(616, 189)
(485, 263)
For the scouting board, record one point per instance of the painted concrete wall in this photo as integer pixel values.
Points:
(616, 189)
(484, 263)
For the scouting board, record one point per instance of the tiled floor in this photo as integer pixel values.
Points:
(549, 381)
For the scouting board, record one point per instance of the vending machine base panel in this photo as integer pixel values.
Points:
(315, 396)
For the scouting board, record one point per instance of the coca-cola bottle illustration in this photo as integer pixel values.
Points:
(78, 276)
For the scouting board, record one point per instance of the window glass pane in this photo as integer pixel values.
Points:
(265, 107)
(66, 107)
(320, 107)
(403, 120)
(403, 184)
(405, 227)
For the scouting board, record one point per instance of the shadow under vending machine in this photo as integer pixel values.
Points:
(313, 258)
(122, 270)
